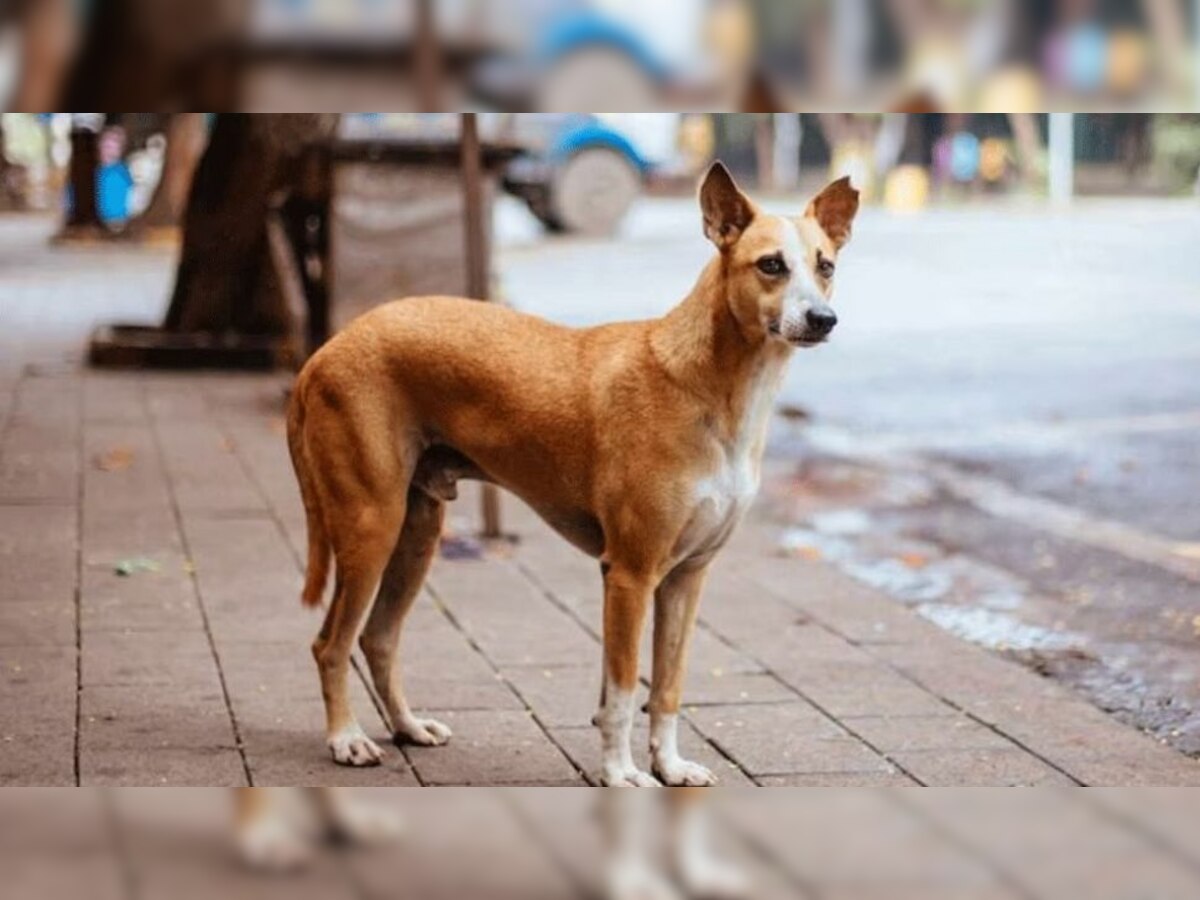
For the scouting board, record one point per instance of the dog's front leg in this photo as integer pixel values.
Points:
(626, 600)
(267, 839)
(675, 604)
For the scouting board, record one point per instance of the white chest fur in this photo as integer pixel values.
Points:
(722, 495)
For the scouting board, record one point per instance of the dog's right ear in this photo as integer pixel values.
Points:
(727, 211)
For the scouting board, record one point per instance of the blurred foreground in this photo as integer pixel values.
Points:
(530, 843)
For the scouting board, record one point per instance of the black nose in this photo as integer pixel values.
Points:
(821, 321)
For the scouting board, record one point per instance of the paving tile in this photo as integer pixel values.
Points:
(493, 747)
(839, 780)
(38, 554)
(37, 715)
(785, 738)
(39, 459)
(181, 659)
(206, 475)
(562, 696)
(998, 767)
(899, 733)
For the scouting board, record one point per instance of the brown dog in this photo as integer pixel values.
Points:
(639, 442)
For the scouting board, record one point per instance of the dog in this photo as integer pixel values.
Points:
(639, 442)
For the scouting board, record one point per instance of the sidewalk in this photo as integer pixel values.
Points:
(194, 668)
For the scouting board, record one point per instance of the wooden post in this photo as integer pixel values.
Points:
(428, 58)
(478, 266)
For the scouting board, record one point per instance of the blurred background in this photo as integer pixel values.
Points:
(585, 55)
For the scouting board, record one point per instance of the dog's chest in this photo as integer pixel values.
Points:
(721, 496)
(719, 500)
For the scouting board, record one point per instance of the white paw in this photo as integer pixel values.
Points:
(352, 747)
(615, 776)
(680, 772)
(423, 732)
(638, 881)
(714, 880)
(366, 824)
(269, 845)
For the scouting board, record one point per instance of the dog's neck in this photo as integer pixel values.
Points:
(734, 369)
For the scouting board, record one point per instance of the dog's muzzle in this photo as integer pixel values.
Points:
(805, 326)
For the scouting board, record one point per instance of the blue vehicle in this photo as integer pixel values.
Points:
(579, 175)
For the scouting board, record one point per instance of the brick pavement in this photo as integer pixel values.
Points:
(195, 667)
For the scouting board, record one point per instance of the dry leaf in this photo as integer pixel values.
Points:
(116, 459)
(812, 554)
(914, 560)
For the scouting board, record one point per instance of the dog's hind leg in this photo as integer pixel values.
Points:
(361, 557)
(401, 585)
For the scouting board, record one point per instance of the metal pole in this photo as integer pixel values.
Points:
(1062, 158)
(478, 252)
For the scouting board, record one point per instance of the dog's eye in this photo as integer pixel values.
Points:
(773, 266)
(825, 267)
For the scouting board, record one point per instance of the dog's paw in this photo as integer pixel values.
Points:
(269, 845)
(423, 733)
(679, 772)
(353, 748)
(365, 824)
(628, 881)
(620, 777)
(713, 880)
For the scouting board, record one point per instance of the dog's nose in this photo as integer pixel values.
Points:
(821, 320)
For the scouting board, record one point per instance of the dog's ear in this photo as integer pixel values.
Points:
(834, 209)
(727, 211)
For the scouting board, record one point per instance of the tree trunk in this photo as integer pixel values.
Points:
(225, 281)
(83, 218)
(10, 194)
(157, 55)
(186, 136)
(48, 31)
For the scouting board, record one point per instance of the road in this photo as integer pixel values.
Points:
(1003, 433)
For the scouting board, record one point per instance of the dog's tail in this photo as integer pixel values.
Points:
(319, 551)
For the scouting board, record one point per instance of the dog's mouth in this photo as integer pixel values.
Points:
(800, 340)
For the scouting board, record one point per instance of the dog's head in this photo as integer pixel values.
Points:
(779, 270)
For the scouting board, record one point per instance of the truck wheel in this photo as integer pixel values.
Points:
(593, 190)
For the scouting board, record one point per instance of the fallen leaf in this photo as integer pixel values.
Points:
(804, 551)
(914, 560)
(127, 567)
(116, 459)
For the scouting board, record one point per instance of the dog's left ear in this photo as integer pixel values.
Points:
(727, 211)
(834, 209)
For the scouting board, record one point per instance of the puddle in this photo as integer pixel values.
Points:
(897, 535)
(997, 630)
